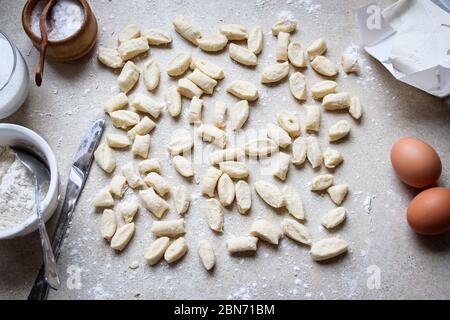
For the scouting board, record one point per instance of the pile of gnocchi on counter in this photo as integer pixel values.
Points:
(226, 164)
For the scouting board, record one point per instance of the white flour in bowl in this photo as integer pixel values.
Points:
(16, 190)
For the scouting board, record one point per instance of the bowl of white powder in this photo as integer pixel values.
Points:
(17, 200)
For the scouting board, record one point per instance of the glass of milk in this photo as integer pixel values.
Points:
(14, 77)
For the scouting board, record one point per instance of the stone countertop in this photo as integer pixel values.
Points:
(382, 246)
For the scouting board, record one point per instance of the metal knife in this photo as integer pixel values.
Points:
(77, 179)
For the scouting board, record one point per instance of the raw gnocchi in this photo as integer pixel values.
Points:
(233, 31)
(322, 182)
(242, 55)
(184, 27)
(132, 48)
(323, 88)
(189, 89)
(238, 114)
(104, 157)
(183, 166)
(131, 31)
(151, 74)
(275, 72)
(317, 48)
(142, 127)
(242, 244)
(333, 218)
(294, 204)
(206, 254)
(332, 158)
(117, 102)
(260, 147)
(297, 85)
(179, 64)
(123, 236)
(324, 66)
(255, 40)
(328, 248)
(336, 101)
(128, 76)
(281, 48)
(235, 169)
(118, 186)
(153, 203)
(243, 196)
(158, 183)
(355, 108)
(156, 250)
(225, 190)
(338, 131)
(210, 133)
(176, 250)
(289, 123)
(103, 199)
(284, 25)
(299, 151)
(117, 140)
(141, 146)
(195, 110)
(180, 144)
(269, 193)
(209, 181)
(296, 55)
(214, 214)
(219, 114)
(110, 58)
(149, 165)
(203, 81)
(338, 193)
(312, 118)
(230, 154)
(282, 166)
(210, 69)
(156, 37)
(213, 43)
(108, 224)
(181, 199)
(278, 135)
(266, 231)
(128, 211)
(296, 231)
(172, 99)
(243, 90)
(313, 152)
(132, 175)
(168, 228)
(123, 119)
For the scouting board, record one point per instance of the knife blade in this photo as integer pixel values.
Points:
(77, 179)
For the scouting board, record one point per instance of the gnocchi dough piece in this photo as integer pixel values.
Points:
(151, 74)
(179, 64)
(117, 102)
(350, 62)
(206, 254)
(156, 37)
(158, 183)
(255, 40)
(296, 231)
(181, 199)
(103, 199)
(128, 77)
(183, 166)
(195, 110)
(328, 248)
(297, 85)
(333, 218)
(269, 193)
(153, 203)
(230, 154)
(235, 169)
(294, 204)
(210, 133)
(219, 114)
(184, 27)
(180, 144)
(278, 135)
(204, 82)
(338, 131)
(284, 25)
(210, 69)
(275, 72)
(281, 48)
(322, 182)
(142, 128)
(260, 147)
(132, 48)
(317, 48)
(213, 43)
(118, 185)
(149, 165)
(338, 193)
(243, 196)
(225, 190)
(130, 173)
(266, 231)
(312, 118)
(336, 101)
(128, 211)
(324, 66)
(108, 224)
(243, 90)
(355, 108)
(238, 114)
(299, 151)
(105, 158)
(172, 99)
(168, 228)
(214, 214)
(209, 181)
(323, 88)
(110, 58)
(242, 55)
(332, 158)
(124, 119)
(289, 123)
(131, 31)
(156, 250)
(117, 140)
(282, 168)
(296, 55)
(146, 104)
(242, 244)
(189, 89)
(176, 250)
(123, 236)
(233, 31)
(141, 146)
(313, 152)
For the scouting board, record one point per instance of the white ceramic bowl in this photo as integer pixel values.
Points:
(14, 135)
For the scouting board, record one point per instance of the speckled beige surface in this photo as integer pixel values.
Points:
(381, 243)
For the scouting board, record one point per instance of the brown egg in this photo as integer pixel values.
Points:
(429, 211)
(415, 162)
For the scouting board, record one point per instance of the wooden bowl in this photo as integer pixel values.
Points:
(72, 47)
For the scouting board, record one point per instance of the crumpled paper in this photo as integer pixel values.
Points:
(411, 38)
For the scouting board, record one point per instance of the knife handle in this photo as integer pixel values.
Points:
(40, 287)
